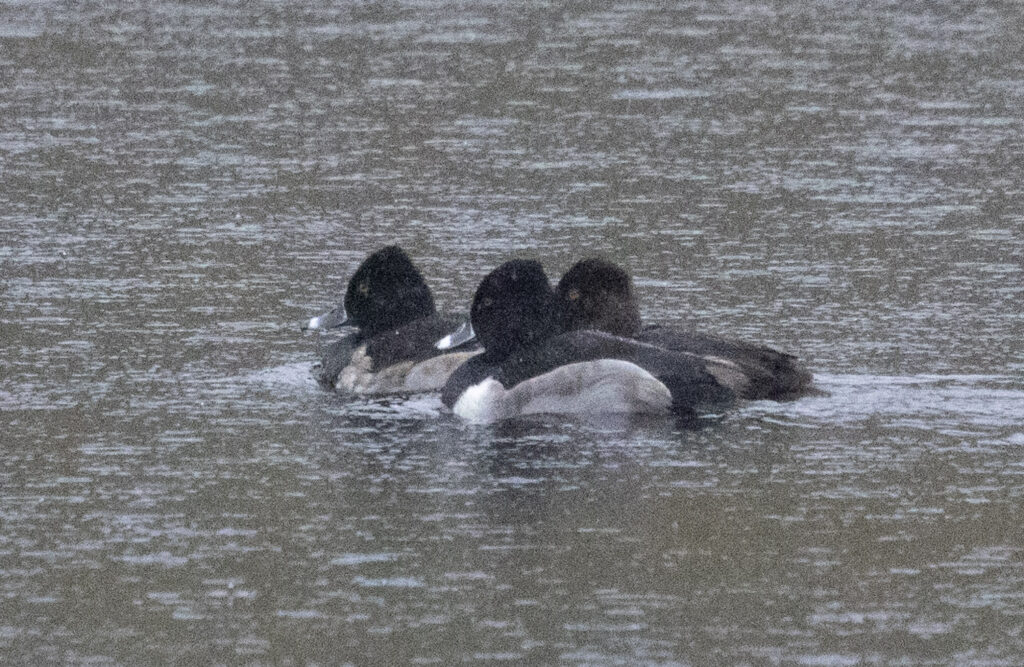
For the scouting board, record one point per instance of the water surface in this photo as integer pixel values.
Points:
(182, 184)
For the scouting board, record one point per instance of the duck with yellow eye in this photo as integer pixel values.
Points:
(531, 364)
(597, 294)
(396, 324)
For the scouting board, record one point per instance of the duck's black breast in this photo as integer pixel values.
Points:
(471, 372)
(335, 358)
(685, 375)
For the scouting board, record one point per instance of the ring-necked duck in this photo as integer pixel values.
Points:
(396, 323)
(597, 294)
(531, 365)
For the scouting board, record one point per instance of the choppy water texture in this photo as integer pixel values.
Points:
(182, 183)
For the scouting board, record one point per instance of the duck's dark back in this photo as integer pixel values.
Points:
(772, 374)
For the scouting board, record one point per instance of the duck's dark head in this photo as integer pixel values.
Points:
(598, 294)
(514, 307)
(386, 292)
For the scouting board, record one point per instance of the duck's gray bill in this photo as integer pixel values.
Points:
(329, 320)
(463, 334)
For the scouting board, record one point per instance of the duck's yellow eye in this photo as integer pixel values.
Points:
(363, 288)
(574, 294)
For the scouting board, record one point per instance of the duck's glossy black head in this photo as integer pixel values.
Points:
(597, 294)
(386, 292)
(514, 307)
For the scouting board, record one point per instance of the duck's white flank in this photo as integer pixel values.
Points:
(602, 386)
(431, 374)
(358, 377)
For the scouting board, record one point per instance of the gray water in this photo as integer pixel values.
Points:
(182, 183)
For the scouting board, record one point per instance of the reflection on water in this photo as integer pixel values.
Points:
(181, 184)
